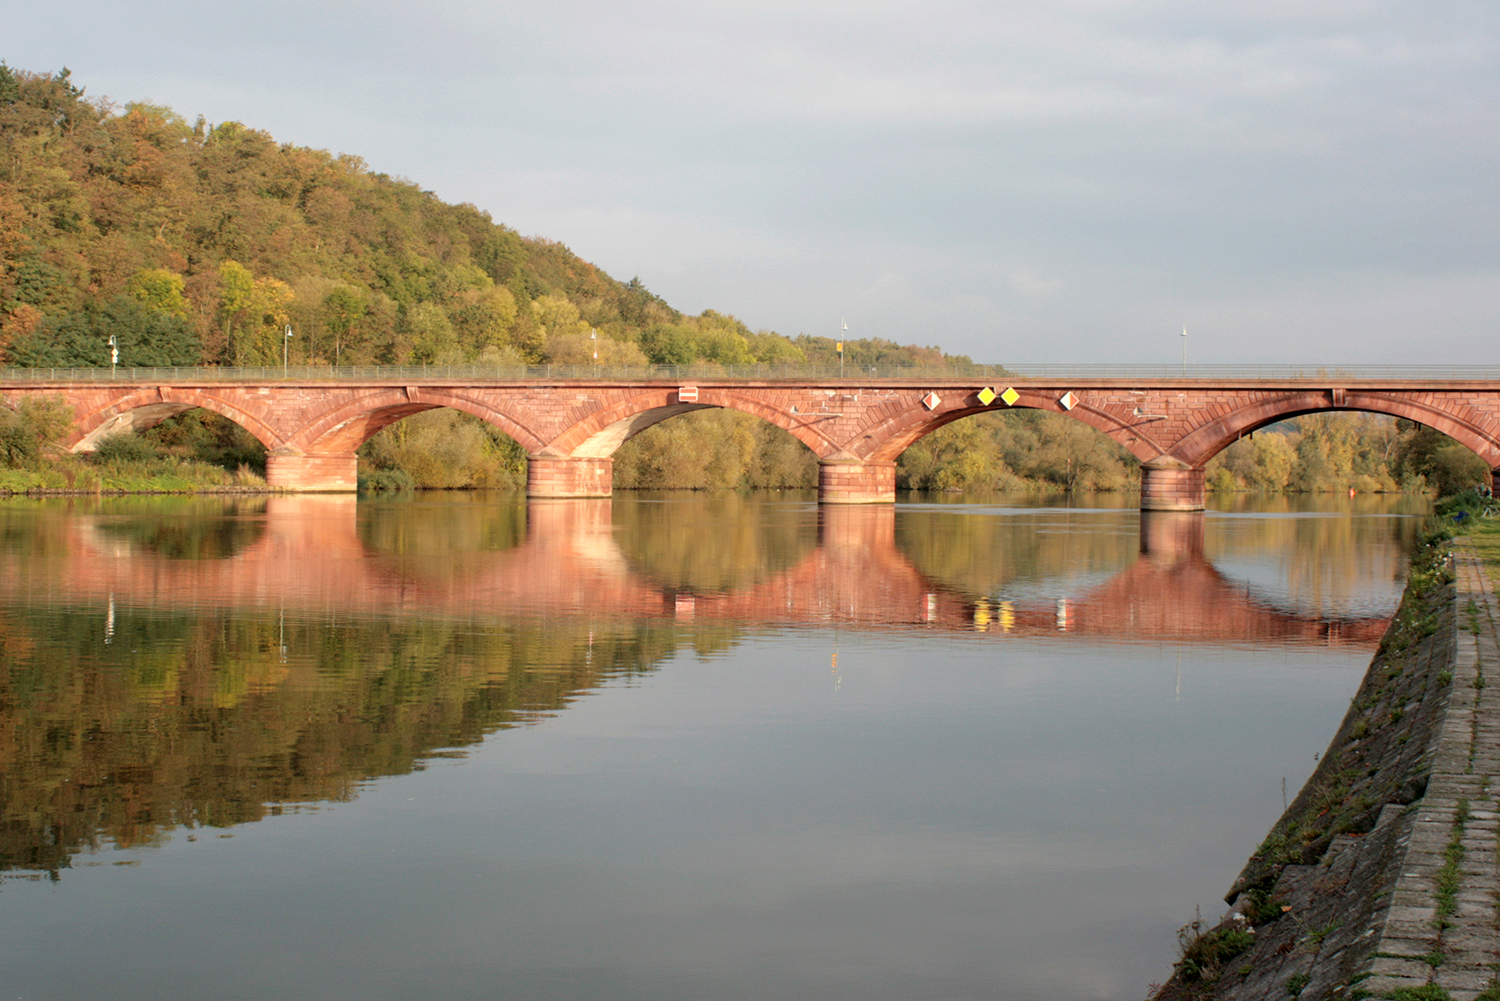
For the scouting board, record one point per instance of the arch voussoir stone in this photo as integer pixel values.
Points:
(350, 423)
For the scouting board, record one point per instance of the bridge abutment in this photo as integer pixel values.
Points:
(1171, 485)
(557, 477)
(851, 481)
(304, 473)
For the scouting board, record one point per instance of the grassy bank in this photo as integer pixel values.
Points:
(156, 476)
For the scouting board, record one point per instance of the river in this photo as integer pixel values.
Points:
(665, 746)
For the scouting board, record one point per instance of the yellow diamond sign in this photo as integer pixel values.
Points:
(1010, 396)
(986, 396)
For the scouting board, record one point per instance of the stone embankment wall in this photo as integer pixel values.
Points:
(1380, 880)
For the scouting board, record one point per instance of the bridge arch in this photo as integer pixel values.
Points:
(887, 439)
(1468, 429)
(601, 433)
(138, 409)
(348, 426)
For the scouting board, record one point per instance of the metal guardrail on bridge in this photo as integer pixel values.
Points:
(788, 373)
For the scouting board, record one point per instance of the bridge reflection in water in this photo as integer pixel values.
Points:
(206, 667)
(309, 556)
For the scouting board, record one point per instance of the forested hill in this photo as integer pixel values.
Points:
(197, 244)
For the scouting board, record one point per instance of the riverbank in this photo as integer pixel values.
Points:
(1380, 879)
(162, 475)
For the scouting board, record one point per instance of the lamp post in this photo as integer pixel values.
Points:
(594, 343)
(285, 344)
(114, 355)
(1184, 349)
(845, 325)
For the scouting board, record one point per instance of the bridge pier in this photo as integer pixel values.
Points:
(560, 476)
(305, 473)
(1169, 484)
(853, 481)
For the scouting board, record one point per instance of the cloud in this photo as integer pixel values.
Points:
(945, 164)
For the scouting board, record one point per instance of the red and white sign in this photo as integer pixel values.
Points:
(687, 394)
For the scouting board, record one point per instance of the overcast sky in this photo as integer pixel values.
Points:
(1305, 181)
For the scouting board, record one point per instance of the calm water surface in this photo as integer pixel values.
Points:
(661, 747)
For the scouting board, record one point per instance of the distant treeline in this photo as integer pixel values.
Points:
(1017, 451)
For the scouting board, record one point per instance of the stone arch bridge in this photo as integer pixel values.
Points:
(570, 427)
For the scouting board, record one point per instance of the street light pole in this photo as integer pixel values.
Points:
(285, 345)
(1184, 349)
(114, 355)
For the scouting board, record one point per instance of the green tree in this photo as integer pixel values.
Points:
(32, 426)
(236, 292)
(344, 309)
(80, 339)
(159, 289)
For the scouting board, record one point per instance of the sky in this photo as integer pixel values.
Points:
(1294, 181)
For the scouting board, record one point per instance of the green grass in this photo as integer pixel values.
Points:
(152, 475)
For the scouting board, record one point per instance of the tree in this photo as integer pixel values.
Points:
(236, 288)
(159, 289)
(431, 335)
(32, 426)
(80, 338)
(1441, 462)
(343, 310)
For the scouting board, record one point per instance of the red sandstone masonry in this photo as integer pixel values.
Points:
(549, 477)
(1171, 489)
(313, 473)
(856, 482)
(1185, 420)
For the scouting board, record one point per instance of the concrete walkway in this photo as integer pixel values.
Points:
(1453, 939)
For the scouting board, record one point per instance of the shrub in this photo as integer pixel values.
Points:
(1204, 950)
(31, 427)
(124, 447)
